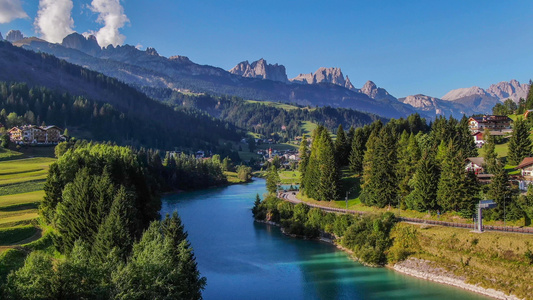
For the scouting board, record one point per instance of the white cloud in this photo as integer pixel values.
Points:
(111, 14)
(11, 10)
(54, 20)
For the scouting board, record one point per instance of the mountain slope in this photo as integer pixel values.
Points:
(169, 128)
(147, 68)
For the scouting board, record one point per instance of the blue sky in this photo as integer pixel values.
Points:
(406, 47)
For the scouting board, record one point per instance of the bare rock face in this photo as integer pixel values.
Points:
(14, 36)
(1, 38)
(322, 75)
(509, 90)
(496, 92)
(371, 90)
(260, 69)
(77, 41)
(151, 51)
(420, 101)
(465, 92)
(348, 84)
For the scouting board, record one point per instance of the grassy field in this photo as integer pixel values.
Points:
(503, 261)
(279, 147)
(275, 104)
(308, 127)
(21, 183)
(289, 177)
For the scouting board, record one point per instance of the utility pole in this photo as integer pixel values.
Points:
(346, 199)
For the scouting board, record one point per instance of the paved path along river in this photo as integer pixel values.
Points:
(246, 260)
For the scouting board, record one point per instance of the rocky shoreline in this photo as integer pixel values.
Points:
(424, 269)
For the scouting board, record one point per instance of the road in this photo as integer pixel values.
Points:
(291, 197)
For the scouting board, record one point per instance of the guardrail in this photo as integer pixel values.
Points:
(416, 220)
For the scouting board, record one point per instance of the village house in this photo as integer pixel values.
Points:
(492, 122)
(526, 167)
(480, 140)
(475, 164)
(32, 134)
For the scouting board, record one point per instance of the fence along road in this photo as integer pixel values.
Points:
(291, 197)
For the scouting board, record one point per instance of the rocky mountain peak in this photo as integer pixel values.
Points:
(14, 36)
(348, 84)
(373, 91)
(509, 90)
(1, 38)
(322, 75)
(180, 59)
(77, 41)
(260, 69)
(464, 92)
(151, 51)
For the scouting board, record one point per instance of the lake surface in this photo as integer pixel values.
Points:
(246, 260)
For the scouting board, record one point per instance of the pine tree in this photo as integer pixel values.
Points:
(408, 158)
(357, 152)
(424, 185)
(500, 191)
(463, 139)
(272, 180)
(456, 191)
(380, 186)
(490, 157)
(329, 183)
(342, 150)
(116, 231)
(311, 177)
(519, 143)
(304, 157)
(529, 98)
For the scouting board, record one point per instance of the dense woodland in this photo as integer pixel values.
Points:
(22, 104)
(265, 119)
(408, 164)
(102, 206)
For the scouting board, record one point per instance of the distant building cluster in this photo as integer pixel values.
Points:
(33, 134)
(497, 125)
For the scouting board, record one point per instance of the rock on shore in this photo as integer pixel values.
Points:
(424, 269)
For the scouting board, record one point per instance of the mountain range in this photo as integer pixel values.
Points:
(262, 81)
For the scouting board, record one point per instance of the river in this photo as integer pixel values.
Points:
(246, 260)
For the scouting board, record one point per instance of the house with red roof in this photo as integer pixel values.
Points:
(526, 167)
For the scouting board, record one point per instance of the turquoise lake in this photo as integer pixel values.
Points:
(242, 259)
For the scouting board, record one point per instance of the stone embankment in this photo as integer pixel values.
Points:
(425, 269)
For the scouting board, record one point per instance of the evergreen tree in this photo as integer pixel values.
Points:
(463, 139)
(529, 98)
(117, 229)
(329, 183)
(380, 181)
(424, 185)
(357, 152)
(490, 157)
(457, 190)
(519, 143)
(272, 180)
(311, 178)
(408, 158)
(500, 192)
(256, 208)
(342, 148)
(304, 157)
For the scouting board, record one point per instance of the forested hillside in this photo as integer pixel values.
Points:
(108, 108)
(261, 118)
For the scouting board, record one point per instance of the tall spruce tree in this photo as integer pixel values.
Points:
(329, 183)
(408, 158)
(464, 140)
(380, 181)
(357, 152)
(519, 143)
(500, 191)
(490, 156)
(272, 180)
(342, 148)
(424, 185)
(304, 156)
